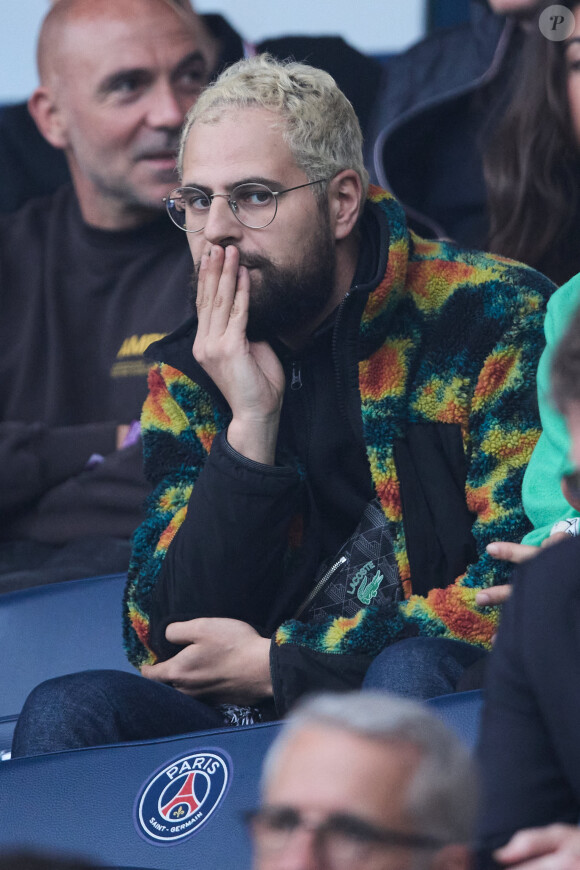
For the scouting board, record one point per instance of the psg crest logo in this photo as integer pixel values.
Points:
(178, 799)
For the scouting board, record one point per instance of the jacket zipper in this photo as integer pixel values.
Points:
(323, 580)
(296, 380)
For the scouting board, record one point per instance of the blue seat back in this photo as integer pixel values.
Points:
(47, 631)
(109, 803)
(461, 712)
(124, 805)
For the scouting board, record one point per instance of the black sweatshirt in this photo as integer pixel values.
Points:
(78, 306)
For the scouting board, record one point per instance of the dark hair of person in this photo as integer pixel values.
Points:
(532, 164)
(565, 371)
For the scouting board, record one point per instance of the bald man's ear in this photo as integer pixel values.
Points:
(344, 197)
(47, 117)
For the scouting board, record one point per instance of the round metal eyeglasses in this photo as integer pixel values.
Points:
(253, 204)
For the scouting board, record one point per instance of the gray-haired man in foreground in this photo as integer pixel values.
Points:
(365, 781)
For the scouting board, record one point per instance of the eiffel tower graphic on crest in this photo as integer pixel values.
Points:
(184, 804)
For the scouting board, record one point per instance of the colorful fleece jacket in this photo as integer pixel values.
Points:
(449, 337)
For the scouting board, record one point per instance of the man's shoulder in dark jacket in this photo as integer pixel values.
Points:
(446, 60)
(425, 133)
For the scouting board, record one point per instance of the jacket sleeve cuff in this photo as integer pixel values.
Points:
(252, 476)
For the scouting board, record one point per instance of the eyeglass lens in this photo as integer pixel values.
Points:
(344, 841)
(254, 205)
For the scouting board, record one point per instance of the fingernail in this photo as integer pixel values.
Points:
(482, 598)
(493, 549)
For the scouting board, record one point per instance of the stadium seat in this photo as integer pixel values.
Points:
(461, 712)
(161, 804)
(51, 630)
(164, 804)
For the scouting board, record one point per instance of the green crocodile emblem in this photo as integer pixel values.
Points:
(367, 588)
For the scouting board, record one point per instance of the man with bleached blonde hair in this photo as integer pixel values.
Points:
(327, 438)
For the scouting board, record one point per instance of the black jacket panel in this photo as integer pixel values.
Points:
(529, 744)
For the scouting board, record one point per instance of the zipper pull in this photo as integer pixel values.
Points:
(296, 382)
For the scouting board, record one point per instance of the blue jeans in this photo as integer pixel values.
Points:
(421, 667)
(93, 708)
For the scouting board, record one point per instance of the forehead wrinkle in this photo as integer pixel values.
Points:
(64, 17)
(70, 19)
(135, 70)
(218, 153)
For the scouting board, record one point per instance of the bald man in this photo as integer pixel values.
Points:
(116, 82)
(30, 166)
(88, 277)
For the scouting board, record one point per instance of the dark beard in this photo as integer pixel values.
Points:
(283, 301)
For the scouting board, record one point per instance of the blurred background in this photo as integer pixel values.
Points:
(373, 26)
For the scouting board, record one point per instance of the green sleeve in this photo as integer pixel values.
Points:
(543, 501)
